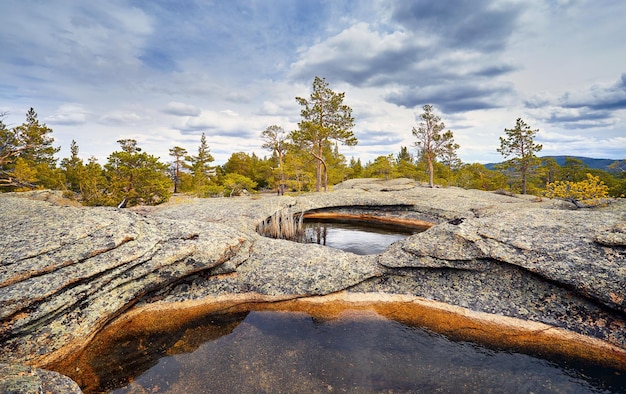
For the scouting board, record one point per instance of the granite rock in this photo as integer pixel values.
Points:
(66, 271)
(21, 379)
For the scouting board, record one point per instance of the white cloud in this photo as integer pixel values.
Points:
(69, 114)
(98, 72)
(121, 118)
(181, 109)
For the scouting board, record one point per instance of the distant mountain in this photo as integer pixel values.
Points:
(601, 164)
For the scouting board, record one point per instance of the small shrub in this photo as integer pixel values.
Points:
(590, 192)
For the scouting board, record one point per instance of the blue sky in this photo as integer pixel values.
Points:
(164, 71)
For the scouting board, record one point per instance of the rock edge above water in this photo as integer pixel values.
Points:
(66, 271)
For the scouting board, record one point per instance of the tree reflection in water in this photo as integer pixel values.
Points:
(359, 237)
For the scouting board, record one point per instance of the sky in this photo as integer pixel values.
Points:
(163, 72)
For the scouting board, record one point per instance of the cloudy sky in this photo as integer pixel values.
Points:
(165, 71)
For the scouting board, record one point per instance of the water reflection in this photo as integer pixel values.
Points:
(294, 352)
(108, 363)
(359, 237)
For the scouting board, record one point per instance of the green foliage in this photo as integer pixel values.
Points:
(592, 191)
(179, 155)
(201, 170)
(477, 176)
(276, 139)
(300, 175)
(519, 143)
(250, 166)
(432, 143)
(36, 137)
(324, 118)
(573, 170)
(381, 167)
(32, 143)
(235, 184)
(337, 167)
(23, 175)
(27, 161)
(355, 168)
(93, 183)
(405, 166)
(9, 149)
(137, 177)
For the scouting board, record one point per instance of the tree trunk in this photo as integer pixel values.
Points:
(325, 176)
(318, 178)
(431, 170)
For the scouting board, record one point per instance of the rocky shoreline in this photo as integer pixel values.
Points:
(494, 260)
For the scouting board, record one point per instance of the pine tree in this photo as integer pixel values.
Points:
(32, 142)
(276, 140)
(37, 137)
(136, 177)
(73, 168)
(178, 154)
(324, 118)
(519, 143)
(200, 167)
(430, 140)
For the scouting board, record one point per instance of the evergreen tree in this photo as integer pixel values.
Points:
(449, 156)
(477, 176)
(276, 140)
(32, 142)
(37, 137)
(179, 155)
(235, 184)
(573, 170)
(298, 172)
(430, 140)
(93, 183)
(9, 151)
(136, 177)
(356, 167)
(519, 143)
(381, 167)
(73, 168)
(324, 118)
(201, 169)
(337, 166)
(250, 166)
(404, 155)
(405, 165)
(551, 170)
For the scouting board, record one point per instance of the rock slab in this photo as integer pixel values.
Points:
(67, 271)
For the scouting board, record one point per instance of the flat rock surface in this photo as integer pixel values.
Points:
(66, 271)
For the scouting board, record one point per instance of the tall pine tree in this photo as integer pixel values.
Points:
(520, 144)
(325, 118)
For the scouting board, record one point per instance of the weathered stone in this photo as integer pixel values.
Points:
(64, 291)
(66, 271)
(21, 379)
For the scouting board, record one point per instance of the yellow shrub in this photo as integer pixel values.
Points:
(591, 191)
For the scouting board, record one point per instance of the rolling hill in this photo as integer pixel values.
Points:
(602, 164)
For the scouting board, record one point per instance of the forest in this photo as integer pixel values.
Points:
(303, 160)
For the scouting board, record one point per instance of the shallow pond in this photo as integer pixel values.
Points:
(358, 237)
(358, 352)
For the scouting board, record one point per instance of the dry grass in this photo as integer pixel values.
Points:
(282, 225)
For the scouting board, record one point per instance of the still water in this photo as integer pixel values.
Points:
(290, 352)
(354, 236)
(293, 352)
